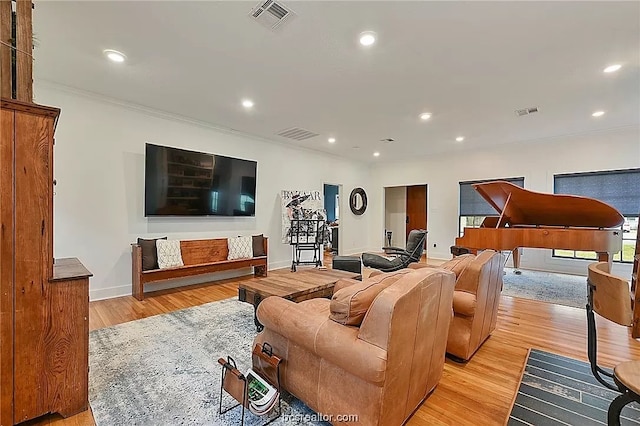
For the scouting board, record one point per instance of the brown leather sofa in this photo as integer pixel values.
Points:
(475, 300)
(380, 370)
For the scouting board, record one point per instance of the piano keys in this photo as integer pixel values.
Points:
(537, 220)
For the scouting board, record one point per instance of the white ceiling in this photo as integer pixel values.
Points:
(469, 63)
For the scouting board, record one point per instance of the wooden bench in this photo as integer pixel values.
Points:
(199, 257)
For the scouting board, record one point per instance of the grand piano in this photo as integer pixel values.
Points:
(537, 220)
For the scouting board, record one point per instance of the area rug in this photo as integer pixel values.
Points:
(561, 289)
(558, 390)
(163, 370)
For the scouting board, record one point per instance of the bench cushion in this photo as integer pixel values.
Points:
(210, 265)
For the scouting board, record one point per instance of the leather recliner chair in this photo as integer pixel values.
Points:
(380, 371)
(399, 258)
(475, 300)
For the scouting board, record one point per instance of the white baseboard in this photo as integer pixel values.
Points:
(355, 251)
(279, 265)
(125, 290)
(109, 292)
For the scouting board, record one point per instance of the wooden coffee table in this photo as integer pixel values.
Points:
(296, 286)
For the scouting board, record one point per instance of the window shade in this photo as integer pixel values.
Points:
(618, 188)
(472, 203)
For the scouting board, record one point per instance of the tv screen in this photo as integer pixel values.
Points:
(188, 183)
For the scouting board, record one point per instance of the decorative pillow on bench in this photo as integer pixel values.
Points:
(149, 252)
(240, 248)
(169, 254)
(258, 245)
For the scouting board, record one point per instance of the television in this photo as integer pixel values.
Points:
(189, 183)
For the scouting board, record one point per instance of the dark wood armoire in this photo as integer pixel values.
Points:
(44, 304)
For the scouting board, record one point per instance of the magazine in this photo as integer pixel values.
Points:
(262, 396)
(264, 410)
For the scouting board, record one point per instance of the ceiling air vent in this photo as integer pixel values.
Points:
(272, 14)
(526, 111)
(297, 134)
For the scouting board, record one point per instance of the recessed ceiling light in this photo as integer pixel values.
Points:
(612, 68)
(114, 55)
(367, 38)
(247, 103)
(332, 140)
(459, 138)
(598, 114)
(425, 116)
(376, 154)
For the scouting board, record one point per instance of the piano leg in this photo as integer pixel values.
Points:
(605, 257)
(516, 261)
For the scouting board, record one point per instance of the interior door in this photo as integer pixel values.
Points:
(416, 207)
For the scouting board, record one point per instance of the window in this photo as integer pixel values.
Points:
(247, 203)
(474, 208)
(214, 201)
(618, 188)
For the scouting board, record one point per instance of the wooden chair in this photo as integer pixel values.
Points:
(609, 297)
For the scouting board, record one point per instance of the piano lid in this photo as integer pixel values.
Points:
(526, 207)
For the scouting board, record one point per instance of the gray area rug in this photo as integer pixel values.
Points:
(556, 390)
(561, 289)
(163, 370)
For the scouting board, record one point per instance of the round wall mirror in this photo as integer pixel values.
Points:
(358, 201)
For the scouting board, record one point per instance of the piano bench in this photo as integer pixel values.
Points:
(457, 250)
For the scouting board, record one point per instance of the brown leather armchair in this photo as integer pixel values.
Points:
(380, 371)
(475, 300)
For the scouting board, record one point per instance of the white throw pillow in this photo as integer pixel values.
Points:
(240, 248)
(169, 254)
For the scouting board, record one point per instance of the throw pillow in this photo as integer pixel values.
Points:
(350, 304)
(240, 248)
(169, 254)
(258, 245)
(149, 253)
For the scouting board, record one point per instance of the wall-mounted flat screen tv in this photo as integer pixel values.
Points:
(188, 183)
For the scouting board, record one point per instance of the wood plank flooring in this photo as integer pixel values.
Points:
(478, 392)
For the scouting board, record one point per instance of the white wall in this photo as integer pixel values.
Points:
(537, 161)
(99, 167)
(395, 214)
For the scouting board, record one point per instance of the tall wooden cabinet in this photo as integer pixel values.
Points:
(44, 305)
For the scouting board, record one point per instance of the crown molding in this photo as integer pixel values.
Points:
(165, 115)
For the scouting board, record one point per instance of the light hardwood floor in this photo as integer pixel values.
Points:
(479, 392)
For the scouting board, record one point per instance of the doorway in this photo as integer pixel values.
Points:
(405, 209)
(332, 207)
(416, 207)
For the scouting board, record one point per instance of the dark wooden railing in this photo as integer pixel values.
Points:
(16, 49)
